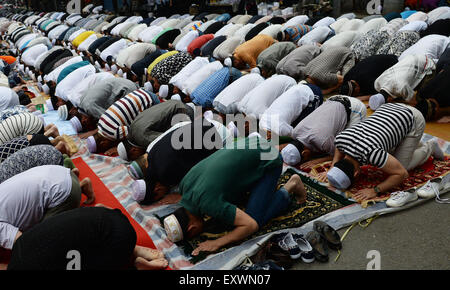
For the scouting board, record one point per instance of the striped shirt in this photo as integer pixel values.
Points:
(113, 123)
(19, 125)
(370, 141)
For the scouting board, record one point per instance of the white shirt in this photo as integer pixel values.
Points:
(191, 83)
(354, 24)
(317, 35)
(436, 14)
(194, 65)
(87, 42)
(79, 90)
(401, 79)
(114, 49)
(54, 74)
(326, 21)
(223, 30)
(32, 53)
(373, 24)
(135, 52)
(149, 33)
(134, 33)
(226, 48)
(8, 98)
(64, 87)
(415, 26)
(432, 45)
(256, 102)
(56, 32)
(242, 32)
(296, 20)
(170, 23)
(76, 33)
(26, 197)
(285, 109)
(115, 31)
(271, 30)
(394, 25)
(184, 42)
(345, 38)
(157, 20)
(418, 16)
(227, 100)
(338, 24)
(26, 38)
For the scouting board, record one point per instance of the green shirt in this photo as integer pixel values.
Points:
(218, 183)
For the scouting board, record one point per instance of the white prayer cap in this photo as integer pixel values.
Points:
(46, 89)
(138, 189)
(114, 69)
(148, 86)
(122, 151)
(63, 112)
(91, 144)
(76, 124)
(376, 101)
(124, 75)
(338, 179)
(164, 91)
(208, 115)
(49, 105)
(173, 228)
(107, 67)
(232, 127)
(120, 72)
(228, 62)
(291, 155)
(176, 97)
(255, 70)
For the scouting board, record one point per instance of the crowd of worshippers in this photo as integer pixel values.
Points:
(122, 80)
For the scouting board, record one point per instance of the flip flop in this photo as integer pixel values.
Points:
(319, 245)
(328, 234)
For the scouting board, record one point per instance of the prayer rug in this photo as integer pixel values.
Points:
(116, 182)
(371, 176)
(319, 201)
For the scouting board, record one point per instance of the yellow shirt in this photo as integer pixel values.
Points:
(249, 51)
(82, 37)
(160, 58)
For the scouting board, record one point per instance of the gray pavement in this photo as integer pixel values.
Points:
(414, 239)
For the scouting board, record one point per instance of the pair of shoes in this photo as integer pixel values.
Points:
(435, 187)
(296, 247)
(400, 198)
(266, 265)
(323, 238)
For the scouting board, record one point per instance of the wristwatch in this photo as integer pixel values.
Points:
(376, 189)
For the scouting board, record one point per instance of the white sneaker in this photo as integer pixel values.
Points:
(400, 198)
(290, 245)
(435, 187)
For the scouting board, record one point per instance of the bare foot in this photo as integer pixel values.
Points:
(51, 131)
(76, 171)
(86, 188)
(143, 264)
(56, 140)
(102, 205)
(444, 120)
(147, 253)
(295, 186)
(63, 147)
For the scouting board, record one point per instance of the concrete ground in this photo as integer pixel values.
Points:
(414, 239)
